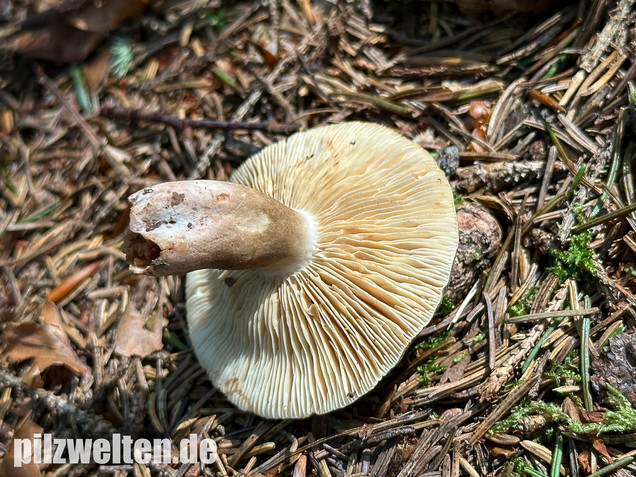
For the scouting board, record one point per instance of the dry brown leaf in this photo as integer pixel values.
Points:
(46, 344)
(51, 315)
(584, 461)
(571, 409)
(46, 44)
(26, 431)
(600, 447)
(593, 416)
(96, 71)
(107, 15)
(269, 58)
(134, 338)
(72, 37)
(479, 133)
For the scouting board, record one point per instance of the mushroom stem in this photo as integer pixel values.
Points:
(178, 227)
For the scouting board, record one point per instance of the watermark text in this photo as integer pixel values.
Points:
(119, 449)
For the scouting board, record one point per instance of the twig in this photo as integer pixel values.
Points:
(136, 115)
(551, 314)
(510, 400)
(622, 212)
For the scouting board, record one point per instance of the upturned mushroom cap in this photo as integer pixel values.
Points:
(296, 342)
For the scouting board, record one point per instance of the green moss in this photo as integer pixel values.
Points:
(458, 198)
(620, 420)
(459, 357)
(432, 341)
(522, 306)
(577, 260)
(216, 19)
(522, 468)
(429, 367)
(445, 307)
(479, 337)
(623, 419)
(566, 371)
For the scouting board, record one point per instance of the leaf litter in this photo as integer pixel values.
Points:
(540, 110)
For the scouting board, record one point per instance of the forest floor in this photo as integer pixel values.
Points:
(529, 368)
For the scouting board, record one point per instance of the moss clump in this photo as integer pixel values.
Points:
(445, 307)
(522, 306)
(479, 337)
(568, 370)
(621, 420)
(577, 260)
(429, 367)
(433, 341)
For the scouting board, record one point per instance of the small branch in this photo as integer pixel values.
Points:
(136, 115)
(617, 214)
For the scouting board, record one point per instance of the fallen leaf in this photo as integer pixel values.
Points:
(72, 36)
(133, 338)
(593, 416)
(479, 133)
(599, 445)
(584, 461)
(45, 344)
(45, 43)
(504, 453)
(571, 409)
(269, 58)
(50, 314)
(26, 430)
(107, 15)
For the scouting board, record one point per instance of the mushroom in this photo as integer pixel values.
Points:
(311, 272)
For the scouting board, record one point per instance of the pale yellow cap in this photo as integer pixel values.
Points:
(316, 339)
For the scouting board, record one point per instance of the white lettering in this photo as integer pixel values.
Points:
(207, 450)
(127, 442)
(37, 448)
(48, 449)
(188, 450)
(42, 448)
(60, 446)
(115, 451)
(21, 452)
(79, 450)
(142, 451)
(101, 451)
(162, 451)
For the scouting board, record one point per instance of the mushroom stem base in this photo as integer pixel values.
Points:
(178, 227)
